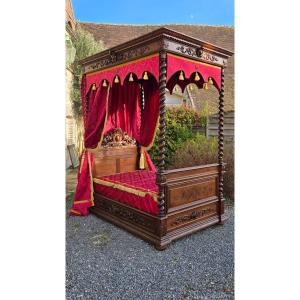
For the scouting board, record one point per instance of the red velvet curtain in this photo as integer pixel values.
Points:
(151, 112)
(84, 190)
(124, 110)
(95, 119)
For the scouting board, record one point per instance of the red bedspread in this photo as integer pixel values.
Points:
(137, 189)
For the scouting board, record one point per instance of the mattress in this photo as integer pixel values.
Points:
(136, 189)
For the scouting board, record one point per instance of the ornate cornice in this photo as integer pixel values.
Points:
(154, 42)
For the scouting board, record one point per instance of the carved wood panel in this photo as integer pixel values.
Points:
(127, 214)
(190, 191)
(191, 216)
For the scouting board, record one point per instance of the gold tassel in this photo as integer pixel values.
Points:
(130, 77)
(104, 83)
(197, 77)
(181, 77)
(142, 159)
(94, 87)
(210, 81)
(145, 77)
(191, 88)
(116, 79)
(176, 88)
(205, 86)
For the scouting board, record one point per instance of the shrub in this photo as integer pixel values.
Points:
(196, 151)
(201, 151)
(179, 123)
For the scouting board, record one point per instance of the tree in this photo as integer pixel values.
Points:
(85, 45)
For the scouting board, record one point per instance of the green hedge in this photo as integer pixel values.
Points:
(185, 148)
(179, 123)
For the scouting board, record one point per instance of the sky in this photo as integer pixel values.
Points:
(210, 12)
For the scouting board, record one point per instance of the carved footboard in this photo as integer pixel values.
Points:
(192, 203)
(192, 196)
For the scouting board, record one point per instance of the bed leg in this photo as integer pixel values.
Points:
(161, 247)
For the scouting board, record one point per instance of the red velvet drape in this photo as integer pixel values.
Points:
(84, 190)
(151, 112)
(124, 110)
(95, 119)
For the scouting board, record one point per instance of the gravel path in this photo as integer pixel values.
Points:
(105, 262)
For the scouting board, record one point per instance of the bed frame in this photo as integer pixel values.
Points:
(189, 199)
(192, 201)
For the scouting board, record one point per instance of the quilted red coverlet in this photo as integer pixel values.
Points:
(137, 189)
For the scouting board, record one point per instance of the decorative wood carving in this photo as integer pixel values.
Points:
(193, 215)
(117, 138)
(190, 51)
(119, 57)
(182, 220)
(192, 191)
(209, 57)
(128, 215)
(134, 53)
(162, 130)
(200, 53)
(158, 40)
(221, 142)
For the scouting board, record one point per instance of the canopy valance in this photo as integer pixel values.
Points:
(180, 70)
(138, 67)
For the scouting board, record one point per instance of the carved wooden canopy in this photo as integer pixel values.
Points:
(162, 39)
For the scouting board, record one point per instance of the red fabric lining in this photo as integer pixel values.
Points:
(124, 109)
(141, 180)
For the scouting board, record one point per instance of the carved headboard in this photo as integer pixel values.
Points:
(119, 153)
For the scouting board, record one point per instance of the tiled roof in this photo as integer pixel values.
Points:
(223, 36)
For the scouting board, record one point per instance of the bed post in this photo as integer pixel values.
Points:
(160, 178)
(221, 145)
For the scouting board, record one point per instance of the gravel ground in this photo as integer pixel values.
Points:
(105, 262)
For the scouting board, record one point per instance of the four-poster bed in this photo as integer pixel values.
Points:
(123, 101)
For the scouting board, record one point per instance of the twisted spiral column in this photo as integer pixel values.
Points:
(221, 142)
(162, 131)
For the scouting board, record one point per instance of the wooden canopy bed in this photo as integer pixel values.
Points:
(123, 101)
